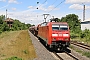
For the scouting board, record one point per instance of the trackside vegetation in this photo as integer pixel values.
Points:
(14, 58)
(15, 42)
(17, 25)
(16, 45)
(84, 53)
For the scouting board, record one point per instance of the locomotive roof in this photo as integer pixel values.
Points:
(47, 23)
(59, 22)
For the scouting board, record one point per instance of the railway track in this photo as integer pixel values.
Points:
(80, 45)
(65, 56)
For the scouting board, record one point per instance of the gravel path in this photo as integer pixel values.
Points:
(41, 51)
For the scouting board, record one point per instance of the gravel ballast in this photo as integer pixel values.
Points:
(41, 51)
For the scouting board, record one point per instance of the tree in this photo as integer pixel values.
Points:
(73, 21)
(28, 25)
(3, 25)
(17, 25)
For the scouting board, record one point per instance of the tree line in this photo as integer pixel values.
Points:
(17, 25)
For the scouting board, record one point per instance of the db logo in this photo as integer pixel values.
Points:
(60, 34)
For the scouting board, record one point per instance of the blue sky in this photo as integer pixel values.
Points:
(26, 10)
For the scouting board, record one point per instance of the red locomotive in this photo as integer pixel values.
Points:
(55, 34)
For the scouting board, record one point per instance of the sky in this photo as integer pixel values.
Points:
(31, 11)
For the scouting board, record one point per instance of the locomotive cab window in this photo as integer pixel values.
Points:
(59, 27)
(55, 27)
(63, 27)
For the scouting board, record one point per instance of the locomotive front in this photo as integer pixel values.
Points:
(60, 35)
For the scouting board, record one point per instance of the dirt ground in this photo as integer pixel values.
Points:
(16, 43)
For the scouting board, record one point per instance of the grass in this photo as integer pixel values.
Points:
(14, 58)
(83, 40)
(16, 43)
(84, 53)
(26, 51)
(76, 37)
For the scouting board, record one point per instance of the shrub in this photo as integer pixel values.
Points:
(82, 35)
(73, 35)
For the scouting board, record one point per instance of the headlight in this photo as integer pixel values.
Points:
(65, 35)
(54, 34)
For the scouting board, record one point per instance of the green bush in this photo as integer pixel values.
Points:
(13, 58)
(82, 35)
(73, 35)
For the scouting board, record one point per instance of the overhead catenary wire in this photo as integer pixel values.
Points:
(42, 3)
(56, 6)
(54, 2)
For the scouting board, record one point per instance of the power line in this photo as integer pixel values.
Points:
(42, 3)
(57, 5)
(54, 2)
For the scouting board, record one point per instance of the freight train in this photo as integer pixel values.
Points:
(55, 34)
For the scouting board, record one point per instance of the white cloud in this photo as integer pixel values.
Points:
(47, 9)
(12, 1)
(42, 7)
(87, 7)
(13, 9)
(30, 7)
(77, 1)
(26, 16)
(78, 7)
